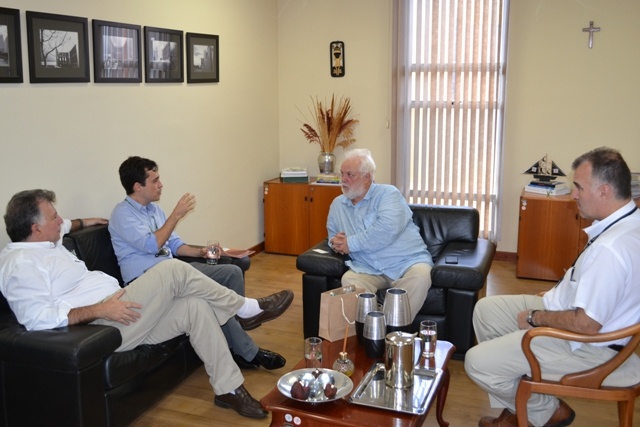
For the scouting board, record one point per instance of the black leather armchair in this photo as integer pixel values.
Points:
(447, 231)
(71, 376)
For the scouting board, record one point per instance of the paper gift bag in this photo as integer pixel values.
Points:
(332, 320)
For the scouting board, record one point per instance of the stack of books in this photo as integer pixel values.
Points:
(328, 178)
(295, 174)
(548, 188)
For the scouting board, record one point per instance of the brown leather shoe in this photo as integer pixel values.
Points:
(242, 402)
(272, 307)
(506, 419)
(563, 416)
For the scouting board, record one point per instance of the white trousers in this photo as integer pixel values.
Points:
(177, 299)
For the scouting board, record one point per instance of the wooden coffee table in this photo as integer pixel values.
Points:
(286, 412)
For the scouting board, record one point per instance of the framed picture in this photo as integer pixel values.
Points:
(10, 52)
(164, 59)
(58, 48)
(117, 52)
(202, 58)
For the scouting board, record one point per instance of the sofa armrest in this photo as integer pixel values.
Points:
(470, 273)
(321, 260)
(62, 349)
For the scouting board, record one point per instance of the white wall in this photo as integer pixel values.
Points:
(218, 141)
(562, 99)
(305, 29)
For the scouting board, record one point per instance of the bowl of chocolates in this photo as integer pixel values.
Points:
(315, 385)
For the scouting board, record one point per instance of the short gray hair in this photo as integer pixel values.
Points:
(23, 210)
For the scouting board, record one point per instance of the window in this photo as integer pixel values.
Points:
(448, 71)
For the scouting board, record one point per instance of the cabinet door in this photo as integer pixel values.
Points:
(548, 236)
(286, 217)
(320, 197)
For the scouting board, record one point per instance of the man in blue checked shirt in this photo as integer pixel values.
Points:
(143, 236)
(373, 224)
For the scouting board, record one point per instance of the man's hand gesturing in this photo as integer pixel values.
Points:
(185, 205)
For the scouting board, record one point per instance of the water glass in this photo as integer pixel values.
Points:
(428, 336)
(313, 352)
(213, 252)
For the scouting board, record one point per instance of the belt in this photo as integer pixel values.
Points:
(616, 347)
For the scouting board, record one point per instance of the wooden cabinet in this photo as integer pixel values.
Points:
(295, 214)
(550, 236)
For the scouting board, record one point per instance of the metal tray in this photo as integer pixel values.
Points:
(372, 391)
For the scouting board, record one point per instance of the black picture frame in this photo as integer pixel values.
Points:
(58, 48)
(10, 46)
(203, 58)
(164, 60)
(117, 52)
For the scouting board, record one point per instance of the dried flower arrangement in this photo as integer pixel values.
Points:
(334, 125)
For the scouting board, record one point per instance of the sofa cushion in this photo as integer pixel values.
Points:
(93, 246)
(121, 367)
(442, 224)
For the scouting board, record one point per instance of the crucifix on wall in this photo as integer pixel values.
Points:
(591, 29)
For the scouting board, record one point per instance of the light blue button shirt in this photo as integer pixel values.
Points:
(132, 227)
(381, 235)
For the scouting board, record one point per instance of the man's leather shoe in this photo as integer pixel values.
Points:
(272, 307)
(269, 360)
(506, 419)
(563, 416)
(244, 363)
(265, 358)
(242, 402)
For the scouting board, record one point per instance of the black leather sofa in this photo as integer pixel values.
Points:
(448, 231)
(71, 376)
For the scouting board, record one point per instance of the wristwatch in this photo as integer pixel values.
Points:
(530, 318)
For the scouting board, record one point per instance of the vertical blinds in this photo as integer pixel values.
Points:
(448, 92)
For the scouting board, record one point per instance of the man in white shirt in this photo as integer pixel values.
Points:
(599, 293)
(47, 287)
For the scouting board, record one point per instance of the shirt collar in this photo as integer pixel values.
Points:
(149, 209)
(31, 245)
(598, 226)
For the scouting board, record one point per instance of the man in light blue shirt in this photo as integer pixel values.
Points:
(143, 236)
(372, 223)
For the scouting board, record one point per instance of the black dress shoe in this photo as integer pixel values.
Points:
(244, 363)
(265, 358)
(269, 360)
(272, 307)
(242, 402)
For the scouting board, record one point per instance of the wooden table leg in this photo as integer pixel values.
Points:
(442, 397)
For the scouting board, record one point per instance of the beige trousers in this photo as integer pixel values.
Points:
(497, 363)
(416, 281)
(177, 299)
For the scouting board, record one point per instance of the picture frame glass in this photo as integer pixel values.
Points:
(10, 46)
(202, 58)
(164, 62)
(116, 53)
(58, 48)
